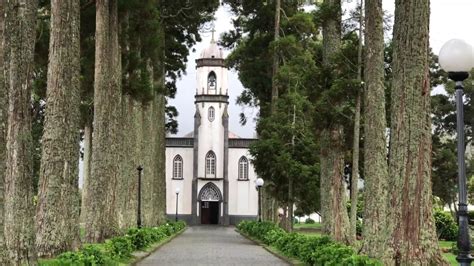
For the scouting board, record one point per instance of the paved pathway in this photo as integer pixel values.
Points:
(211, 245)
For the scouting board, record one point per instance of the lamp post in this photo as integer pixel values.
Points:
(457, 58)
(139, 196)
(177, 194)
(259, 182)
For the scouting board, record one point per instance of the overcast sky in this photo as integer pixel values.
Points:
(449, 19)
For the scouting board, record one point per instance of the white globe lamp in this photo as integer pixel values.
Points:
(457, 58)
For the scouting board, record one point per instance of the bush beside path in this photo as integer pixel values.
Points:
(121, 250)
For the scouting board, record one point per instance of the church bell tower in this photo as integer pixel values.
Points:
(211, 129)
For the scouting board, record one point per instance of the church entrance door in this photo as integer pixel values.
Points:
(209, 212)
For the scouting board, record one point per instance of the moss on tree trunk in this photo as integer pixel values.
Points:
(375, 232)
(413, 235)
(58, 198)
(19, 39)
(100, 206)
(335, 218)
(3, 133)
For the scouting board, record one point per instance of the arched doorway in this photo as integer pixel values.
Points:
(210, 198)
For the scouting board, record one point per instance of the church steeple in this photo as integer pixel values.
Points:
(211, 70)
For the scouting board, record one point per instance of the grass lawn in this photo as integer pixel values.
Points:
(308, 233)
(450, 257)
(307, 226)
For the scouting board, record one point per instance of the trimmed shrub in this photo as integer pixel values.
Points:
(119, 248)
(446, 227)
(310, 250)
(309, 221)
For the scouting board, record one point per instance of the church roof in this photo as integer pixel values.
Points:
(231, 135)
(212, 51)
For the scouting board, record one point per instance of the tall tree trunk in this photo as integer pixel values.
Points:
(333, 208)
(276, 36)
(19, 40)
(100, 206)
(269, 212)
(356, 141)
(159, 157)
(87, 164)
(146, 156)
(290, 178)
(413, 234)
(58, 197)
(375, 149)
(3, 133)
(333, 190)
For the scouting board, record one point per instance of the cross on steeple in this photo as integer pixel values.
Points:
(212, 36)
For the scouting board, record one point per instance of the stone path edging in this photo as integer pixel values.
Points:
(141, 255)
(290, 261)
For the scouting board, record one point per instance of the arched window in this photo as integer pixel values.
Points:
(178, 167)
(210, 164)
(211, 83)
(243, 168)
(211, 113)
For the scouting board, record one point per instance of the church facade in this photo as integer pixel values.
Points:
(210, 167)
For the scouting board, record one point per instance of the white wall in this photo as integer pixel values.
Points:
(185, 185)
(243, 197)
(211, 137)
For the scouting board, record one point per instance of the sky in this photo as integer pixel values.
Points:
(449, 19)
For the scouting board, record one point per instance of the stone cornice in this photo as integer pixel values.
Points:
(210, 62)
(211, 98)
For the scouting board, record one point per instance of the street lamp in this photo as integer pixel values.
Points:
(259, 182)
(457, 58)
(177, 194)
(139, 197)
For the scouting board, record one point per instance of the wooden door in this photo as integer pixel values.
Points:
(205, 212)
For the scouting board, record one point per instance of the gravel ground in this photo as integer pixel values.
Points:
(211, 245)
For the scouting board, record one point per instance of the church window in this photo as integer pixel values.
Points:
(178, 167)
(211, 83)
(211, 113)
(243, 168)
(210, 164)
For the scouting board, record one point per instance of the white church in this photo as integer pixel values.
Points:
(210, 167)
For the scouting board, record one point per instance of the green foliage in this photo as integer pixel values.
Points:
(444, 152)
(90, 254)
(252, 40)
(285, 150)
(309, 221)
(118, 248)
(446, 227)
(309, 249)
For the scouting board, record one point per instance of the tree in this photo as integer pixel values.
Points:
(334, 215)
(3, 133)
(284, 154)
(58, 199)
(100, 206)
(375, 149)
(356, 139)
(411, 221)
(19, 40)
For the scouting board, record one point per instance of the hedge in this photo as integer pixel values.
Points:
(446, 227)
(311, 250)
(116, 249)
